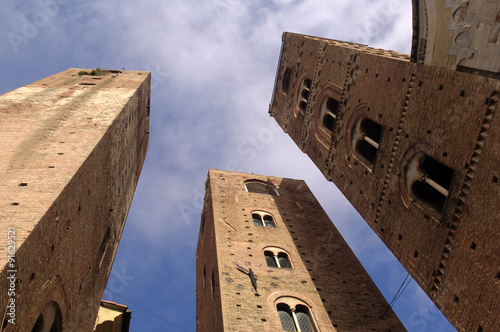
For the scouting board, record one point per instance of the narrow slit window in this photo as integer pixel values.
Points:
(285, 84)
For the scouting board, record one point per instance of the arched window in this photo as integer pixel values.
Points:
(303, 94)
(429, 180)
(259, 187)
(329, 110)
(271, 262)
(366, 137)
(50, 319)
(286, 318)
(262, 219)
(276, 257)
(294, 315)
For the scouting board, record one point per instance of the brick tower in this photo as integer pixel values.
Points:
(414, 148)
(72, 149)
(270, 259)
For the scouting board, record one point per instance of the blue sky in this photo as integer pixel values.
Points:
(213, 64)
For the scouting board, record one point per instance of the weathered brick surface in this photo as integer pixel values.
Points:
(325, 274)
(71, 154)
(450, 116)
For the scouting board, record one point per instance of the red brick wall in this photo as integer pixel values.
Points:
(77, 150)
(326, 275)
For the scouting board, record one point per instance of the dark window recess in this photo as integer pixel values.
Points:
(213, 284)
(259, 188)
(303, 96)
(434, 184)
(283, 260)
(280, 261)
(256, 220)
(270, 259)
(285, 84)
(368, 140)
(265, 220)
(286, 319)
(268, 221)
(53, 320)
(303, 320)
(330, 113)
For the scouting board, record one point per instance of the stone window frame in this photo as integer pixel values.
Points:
(277, 254)
(356, 134)
(362, 136)
(262, 215)
(323, 134)
(294, 303)
(270, 188)
(414, 172)
(303, 94)
(50, 318)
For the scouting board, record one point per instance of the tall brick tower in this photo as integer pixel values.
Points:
(270, 259)
(412, 142)
(72, 148)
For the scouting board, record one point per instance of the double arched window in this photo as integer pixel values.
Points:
(276, 257)
(294, 315)
(261, 218)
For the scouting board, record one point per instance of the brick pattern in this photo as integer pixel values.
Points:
(326, 274)
(449, 116)
(72, 150)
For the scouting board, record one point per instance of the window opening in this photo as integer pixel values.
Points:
(286, 319)
(50, 319)
(368, 140)
(258, 187)
(277, 258)
(303, 320)
(262, 219)
(303, 96)
(283, 260)
(434, 184)
(330, 109)
(271, 262)
(285, 84)
(294, 318)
